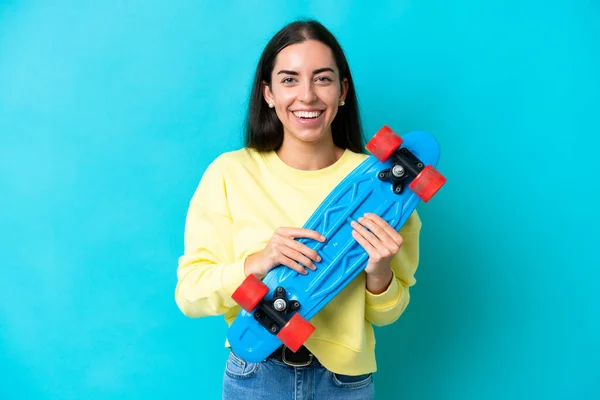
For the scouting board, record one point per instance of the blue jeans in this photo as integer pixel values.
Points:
(272, 379)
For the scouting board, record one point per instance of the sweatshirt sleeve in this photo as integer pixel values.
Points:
(207, 272)
(385, 308)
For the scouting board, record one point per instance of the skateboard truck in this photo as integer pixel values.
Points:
(274, 314)
(405, 165)
(270, 313)
(426, 179)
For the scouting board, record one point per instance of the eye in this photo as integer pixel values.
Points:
(324, 79)
(287, 80)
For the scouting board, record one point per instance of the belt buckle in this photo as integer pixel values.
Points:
(293, 364)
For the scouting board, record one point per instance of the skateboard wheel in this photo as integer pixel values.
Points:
(427, 183)
(295, 332)
(384, 143)
(250, 293)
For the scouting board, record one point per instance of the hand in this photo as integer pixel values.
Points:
(282, 249)
(382, 243)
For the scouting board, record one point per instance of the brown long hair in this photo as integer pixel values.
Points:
(264, 131)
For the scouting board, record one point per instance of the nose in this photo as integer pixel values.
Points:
(308, 94)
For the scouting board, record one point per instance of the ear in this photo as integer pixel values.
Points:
(344, 89)
(267, 94)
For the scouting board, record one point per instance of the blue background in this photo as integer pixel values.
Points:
(110, 111)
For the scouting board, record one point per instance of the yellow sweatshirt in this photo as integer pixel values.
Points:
(241, 199)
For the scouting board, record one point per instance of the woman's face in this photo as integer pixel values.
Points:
(306, 91)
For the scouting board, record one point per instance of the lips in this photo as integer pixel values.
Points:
(308, 118)
(312, 114)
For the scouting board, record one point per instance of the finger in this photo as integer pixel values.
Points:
(374, 228)
(288, 262)
(302, 233)
(299, 257)
(369, 248)
(302, 248)
(389, 242)
(369, 236)
(392, 233)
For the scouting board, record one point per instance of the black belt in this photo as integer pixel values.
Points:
(300, 358)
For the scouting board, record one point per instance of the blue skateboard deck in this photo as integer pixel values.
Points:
(277, 310)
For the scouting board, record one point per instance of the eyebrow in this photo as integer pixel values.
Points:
(316, 71)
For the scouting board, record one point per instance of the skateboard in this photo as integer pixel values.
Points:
(398, 174)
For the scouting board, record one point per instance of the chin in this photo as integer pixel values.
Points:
(309, 136)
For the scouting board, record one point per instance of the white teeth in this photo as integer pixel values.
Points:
(307, 114)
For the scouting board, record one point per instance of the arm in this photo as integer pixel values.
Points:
(385, 306)
(207, 273)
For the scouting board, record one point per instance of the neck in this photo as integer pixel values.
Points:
(309, 156)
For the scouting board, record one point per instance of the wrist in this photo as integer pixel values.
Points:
(379, 282)
(251, 265)
(381, 273)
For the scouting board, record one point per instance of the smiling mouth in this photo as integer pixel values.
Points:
(307, 114)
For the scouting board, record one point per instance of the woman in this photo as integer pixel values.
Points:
(303, 137)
